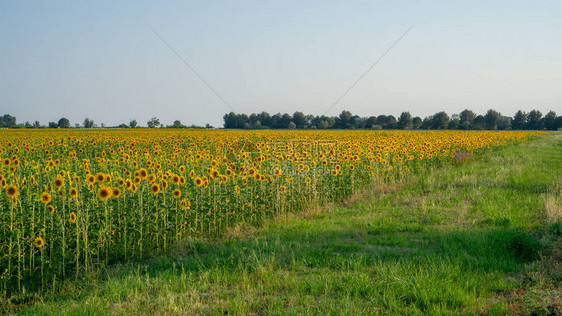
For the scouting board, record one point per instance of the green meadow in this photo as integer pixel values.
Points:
(481, 236)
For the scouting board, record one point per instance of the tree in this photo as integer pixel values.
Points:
(405, 121)
(243, 119)
(123, 125)
(465, 119)
(63, 123)
(440, 120)
(88, 123)
(479, 122)
(8, 121)
(534, 119)
(427, 121)
(53, 125)
(492, 119)
(285, 120)
(323, 122)
(343, 121)
(454, 122)
(519, 120)
(417, 122)
(230, 120)
(133, 123)
(390, 122)
(177, 124)
(549, 121)
(253, 120)
(370, 122)
(299, 119)
(275, 120)
(153, 123)
(381, 120)
(36, 124)
(559, 123)
(504, 123)
(265, 119)
(27, 124)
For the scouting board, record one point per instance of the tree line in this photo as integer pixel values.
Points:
(465, 120)
(8, 121)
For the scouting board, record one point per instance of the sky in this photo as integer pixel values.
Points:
(100, 59)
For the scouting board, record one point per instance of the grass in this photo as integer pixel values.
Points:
(479, 237)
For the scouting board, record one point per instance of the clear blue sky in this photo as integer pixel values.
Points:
(99, 59)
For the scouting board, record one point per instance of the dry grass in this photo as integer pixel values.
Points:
(240, 231)
(534, 301)
(553, 204)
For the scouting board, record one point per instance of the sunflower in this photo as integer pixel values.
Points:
(32, 180)
(104, 194)
(214, 174)
(72, 217)
(12, 191)
(155, 188)
(90, 178)
(116, 192)
(143, 174)
(185, 204)
(39, 242)
(176, 193)
(7, 162)
(198, 181)
(51, 209)
(237, 189)
(45, 198)
(58, 182)
(175, 179)
(100, 177)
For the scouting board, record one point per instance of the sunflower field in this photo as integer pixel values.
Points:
(74, 201)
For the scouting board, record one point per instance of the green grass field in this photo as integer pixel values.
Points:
(479, 237)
